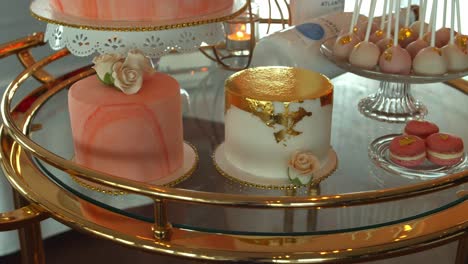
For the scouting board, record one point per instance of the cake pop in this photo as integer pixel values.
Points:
(460, 40)
(380, 33)
(345, 43)
(395, 59)
(387, 41)
(415, 27)
(414, 47)
(455, 58)
(429, 61)
(406, 34)
(366, 54)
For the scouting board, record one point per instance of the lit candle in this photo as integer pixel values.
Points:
(239, 39)
(240, 35)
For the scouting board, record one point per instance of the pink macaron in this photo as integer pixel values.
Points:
(420, 128)
(407, 150)
(444, 149)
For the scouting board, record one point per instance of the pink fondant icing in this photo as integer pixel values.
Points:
(138, 137)
(141, 10)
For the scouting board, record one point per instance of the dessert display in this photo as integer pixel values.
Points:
(140, 10)
(420, 128)
(407, 150)
(433, 53)
(444, 149)
(420, 151)
(288, 114)
(127, 119)
(404, 58)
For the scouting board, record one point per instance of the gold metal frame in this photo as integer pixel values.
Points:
(216, 49)
(17, 150)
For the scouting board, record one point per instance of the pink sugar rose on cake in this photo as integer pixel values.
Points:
(407, 150)
(420, 128)
(444, 149)
(302, 166)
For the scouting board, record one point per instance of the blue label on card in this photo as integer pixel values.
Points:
(311, 30)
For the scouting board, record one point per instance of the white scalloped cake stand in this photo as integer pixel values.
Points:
(153, 43)
(84, 37)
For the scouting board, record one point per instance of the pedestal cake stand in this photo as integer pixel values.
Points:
(393, 101)
(84, 37)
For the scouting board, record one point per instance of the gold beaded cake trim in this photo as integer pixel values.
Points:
(141, 28)
(313, 183)
(113, 192)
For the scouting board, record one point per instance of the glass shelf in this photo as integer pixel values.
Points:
(202, 85)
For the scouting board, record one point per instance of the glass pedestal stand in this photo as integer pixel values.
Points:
(393, 102)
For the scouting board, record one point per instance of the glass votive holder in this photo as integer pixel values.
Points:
(241, 29)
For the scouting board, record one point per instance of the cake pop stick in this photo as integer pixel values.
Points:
(433, 17)
(414, 47)
(351, 25)
(389, 25)
(457, 4)
(397, 22)
(408, 11)
(384, 14)
(371, 18)
(431, 21)
(455, 57)
(387, 42)
(357, 12)
(452, 22)
(422, 17)
(444, 19)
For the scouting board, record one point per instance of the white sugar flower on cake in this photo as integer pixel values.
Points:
(126, 74)
(302, 166)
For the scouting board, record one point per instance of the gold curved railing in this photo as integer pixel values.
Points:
(156, 192)
(16, 143)
(31, 213)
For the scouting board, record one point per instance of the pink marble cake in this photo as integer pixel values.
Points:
(139, 10)
(138, 136)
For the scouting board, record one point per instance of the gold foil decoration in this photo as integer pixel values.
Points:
(404, 33)
(379, 33)
(462, 42)
(388, 55)
(439, 51)
(265, 111)
(443, 136)
(345, 39)
(254, 90)
(405, 141)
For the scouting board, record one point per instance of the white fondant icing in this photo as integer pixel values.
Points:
(252, 147)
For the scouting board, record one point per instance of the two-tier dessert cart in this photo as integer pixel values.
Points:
(361, 212)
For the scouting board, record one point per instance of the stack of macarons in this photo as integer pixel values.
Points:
(421, 140)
